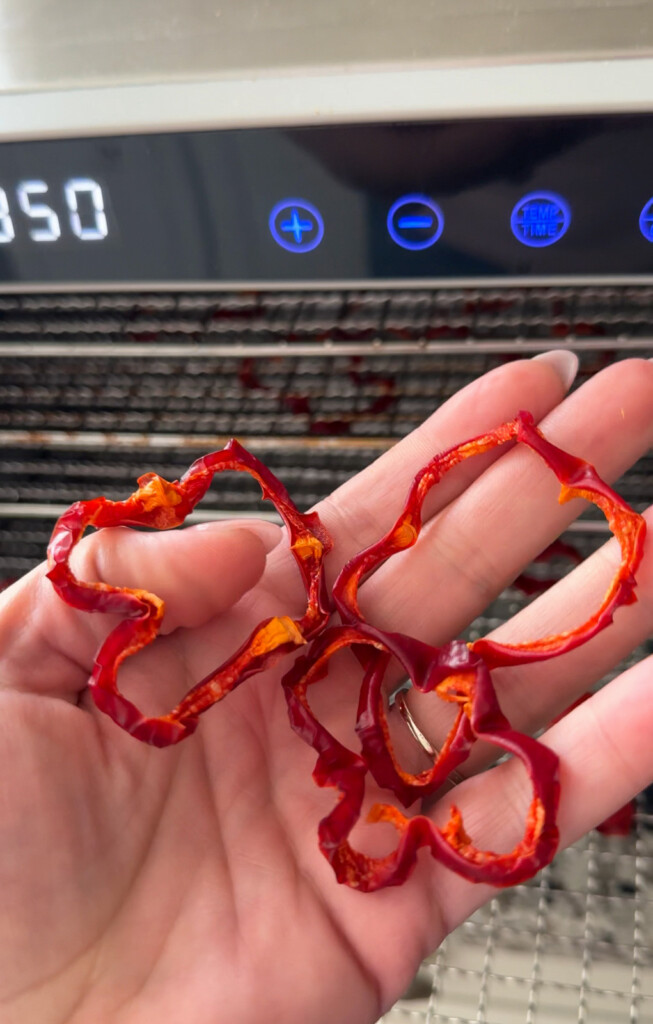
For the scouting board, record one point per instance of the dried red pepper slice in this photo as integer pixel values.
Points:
(376, 746)
(578, 478)
(163, 505)
(621, 823)
(457, 675)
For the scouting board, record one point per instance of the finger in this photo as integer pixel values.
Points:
(472, 550)
(544, 379)
(362, 509)
(468, 553)
(199, 573)
(353, 513)
(606, 758)
(533, 695)
(532, 698)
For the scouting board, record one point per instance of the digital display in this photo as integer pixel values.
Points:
(86, 218)
(487, 199)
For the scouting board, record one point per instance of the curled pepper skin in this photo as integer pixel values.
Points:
(578, 479)
(459, 676)
(163, 505)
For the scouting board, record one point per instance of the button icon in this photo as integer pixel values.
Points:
(296, 225)
(415, 222)
(646, 221)
(540, 218)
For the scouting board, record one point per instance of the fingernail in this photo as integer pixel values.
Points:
(564, 362)
(268, 533)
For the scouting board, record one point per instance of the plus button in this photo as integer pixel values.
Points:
(296, 225)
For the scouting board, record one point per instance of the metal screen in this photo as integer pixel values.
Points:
(573, 946)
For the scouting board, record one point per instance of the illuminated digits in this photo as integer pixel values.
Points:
(51, 231)
(7, 233)
(99, 229)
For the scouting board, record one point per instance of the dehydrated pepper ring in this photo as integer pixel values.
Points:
(578, 479)
(163, 505)
(457, 675)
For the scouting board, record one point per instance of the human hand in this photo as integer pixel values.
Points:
(142, 884)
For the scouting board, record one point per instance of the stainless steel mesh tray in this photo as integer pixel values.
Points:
(574, 946)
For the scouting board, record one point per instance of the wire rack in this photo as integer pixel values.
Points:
(574, 946)
(438, 314)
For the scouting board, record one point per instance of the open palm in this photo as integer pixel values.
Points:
(139, 884)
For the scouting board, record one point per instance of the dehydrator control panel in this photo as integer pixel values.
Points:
(491, 199)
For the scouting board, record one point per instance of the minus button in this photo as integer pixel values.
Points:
(415, 222)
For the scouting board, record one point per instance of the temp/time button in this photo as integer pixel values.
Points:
(540, 218)
(415, 222)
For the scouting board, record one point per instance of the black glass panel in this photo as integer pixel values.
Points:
(487, 198)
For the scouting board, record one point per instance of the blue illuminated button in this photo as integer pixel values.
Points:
(415, 222)
(296, 225)
(646, 221)
(540, 218)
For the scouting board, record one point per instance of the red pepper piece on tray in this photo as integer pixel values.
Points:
(530, 584)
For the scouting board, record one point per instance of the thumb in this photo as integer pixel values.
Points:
(199, 572)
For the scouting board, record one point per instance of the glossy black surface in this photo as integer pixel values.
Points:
(196, 206)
